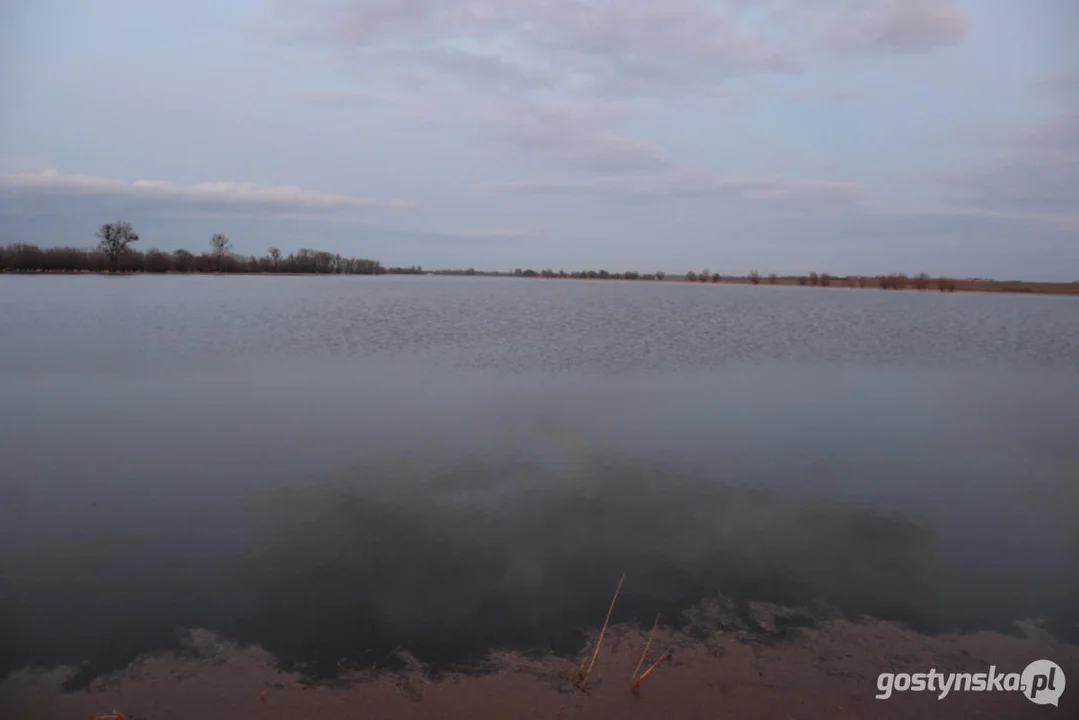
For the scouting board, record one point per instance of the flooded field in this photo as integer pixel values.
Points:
(368, 472)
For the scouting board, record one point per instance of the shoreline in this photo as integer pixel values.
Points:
(1017, 287)
(826, 671)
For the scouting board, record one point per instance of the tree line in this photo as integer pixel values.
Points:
(585, 274)
(894, 281)
(115, 254)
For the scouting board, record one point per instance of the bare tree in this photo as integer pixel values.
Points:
(221, 244)
(754, 277)
(115, 237)
(275, 256)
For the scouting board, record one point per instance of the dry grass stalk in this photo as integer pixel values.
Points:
(636, 689)
(582, 677)
(646, 647)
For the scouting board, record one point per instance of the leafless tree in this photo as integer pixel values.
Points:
(220, 244)
(114, 239)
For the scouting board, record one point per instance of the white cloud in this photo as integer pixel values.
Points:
(240, 194)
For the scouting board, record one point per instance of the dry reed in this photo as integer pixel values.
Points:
(582, 675)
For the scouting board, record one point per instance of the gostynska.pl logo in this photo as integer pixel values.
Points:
(1041, 682)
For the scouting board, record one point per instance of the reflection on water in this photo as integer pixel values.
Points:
(339, 505)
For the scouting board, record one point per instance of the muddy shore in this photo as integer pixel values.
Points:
(773, 670)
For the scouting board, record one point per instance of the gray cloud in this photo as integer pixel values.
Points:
(900, 25)
(1036, 176)
(488, 234)
(488, 69)
(870, 26)
(236, 194)
(1063, 85)
(554, 75)
(327, 97)
(570, 136)
(629, 47)
(684, 184)
(835, 97)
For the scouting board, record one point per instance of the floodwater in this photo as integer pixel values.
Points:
(335, 468)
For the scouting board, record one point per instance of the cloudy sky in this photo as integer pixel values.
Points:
(785, 135)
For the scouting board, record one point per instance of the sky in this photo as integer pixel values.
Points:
(788, 136)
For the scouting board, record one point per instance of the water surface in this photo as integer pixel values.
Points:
(337, 467)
